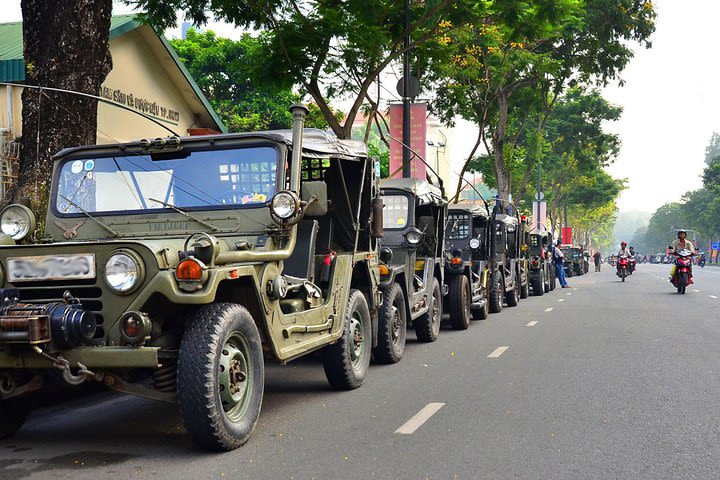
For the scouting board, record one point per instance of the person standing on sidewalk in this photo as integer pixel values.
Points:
(558, 257)
(596, 257)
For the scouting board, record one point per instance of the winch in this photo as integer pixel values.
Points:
(65, 323)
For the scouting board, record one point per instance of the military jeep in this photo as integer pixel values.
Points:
(542, 269)
(568, 260)
(172, 268)
(467, 271)
(411, 268)
(509, 276)
(575, 263)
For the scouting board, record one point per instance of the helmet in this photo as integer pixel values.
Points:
(681, 231)
(623, 243)
(559, 241)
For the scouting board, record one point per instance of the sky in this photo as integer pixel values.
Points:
(671, 102)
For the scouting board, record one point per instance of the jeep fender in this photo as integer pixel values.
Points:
(397, 275)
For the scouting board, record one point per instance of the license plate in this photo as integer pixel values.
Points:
(51, 267)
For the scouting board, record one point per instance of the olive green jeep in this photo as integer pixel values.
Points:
(173, 268)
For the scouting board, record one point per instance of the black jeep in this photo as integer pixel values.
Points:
(467, 271)
(411, 269)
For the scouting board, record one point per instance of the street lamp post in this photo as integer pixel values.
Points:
(437, 146)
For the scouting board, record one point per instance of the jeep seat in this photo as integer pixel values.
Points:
(427, 224)
(301, 264)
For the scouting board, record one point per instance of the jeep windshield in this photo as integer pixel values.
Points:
(395, 214)
(240, 177)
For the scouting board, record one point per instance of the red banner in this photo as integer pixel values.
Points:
(418, 137)
(567, 235)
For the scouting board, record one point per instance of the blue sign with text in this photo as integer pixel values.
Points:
(714, 246)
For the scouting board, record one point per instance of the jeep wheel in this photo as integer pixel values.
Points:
(524, 287)
(460, 302)
(392, 326)
(427, 325)
(497, 289)
(347, 361)
(220, 376)
(546, 284)
(513, 296)
(13, 414)
(538, 284)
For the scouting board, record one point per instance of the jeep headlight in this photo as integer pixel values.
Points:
(17, 221)
(474, 243)
(284, 205)
(413, 237)
(122, 272)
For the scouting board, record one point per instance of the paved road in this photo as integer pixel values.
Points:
(616, 381)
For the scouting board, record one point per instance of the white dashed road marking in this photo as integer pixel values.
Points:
(497, 352)
(549, 309)
(712, 296)
(569, 293)
(421, 417)
(561, 300)
(696, 291)
(532, 324)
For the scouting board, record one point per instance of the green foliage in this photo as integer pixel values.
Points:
(233, 75)
(376, 146)
(331, 49)
(712, 150)
(711, 174)
(531, 50)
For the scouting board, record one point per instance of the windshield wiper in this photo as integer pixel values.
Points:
(191, 217)
(99, 222)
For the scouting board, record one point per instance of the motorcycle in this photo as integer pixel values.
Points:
(701, 260)
(683, 270)
(632, 263)
(623, 262)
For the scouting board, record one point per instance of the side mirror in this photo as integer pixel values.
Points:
(376, 218)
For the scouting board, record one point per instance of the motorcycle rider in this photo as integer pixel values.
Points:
(623, 251)
(633, 261)
(681, 243)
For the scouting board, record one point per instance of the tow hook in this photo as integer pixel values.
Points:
(84, 375)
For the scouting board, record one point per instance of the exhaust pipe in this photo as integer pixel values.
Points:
(299, 112)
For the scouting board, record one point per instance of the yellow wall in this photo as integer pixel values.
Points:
(16, 111)
(139, 75)
(143, 74)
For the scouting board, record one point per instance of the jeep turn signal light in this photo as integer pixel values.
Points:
(456, 261)
(189, 269)
(384, 270)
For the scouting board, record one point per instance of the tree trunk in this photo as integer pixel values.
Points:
(498, 142)
(65, 46)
